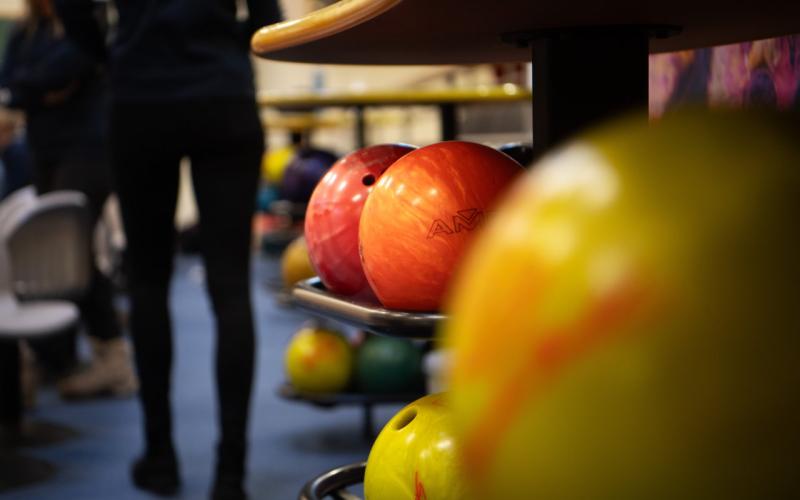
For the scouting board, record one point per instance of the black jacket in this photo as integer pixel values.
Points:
(173, 49)
(59, 87)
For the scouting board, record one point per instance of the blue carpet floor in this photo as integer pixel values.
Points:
(290, 442)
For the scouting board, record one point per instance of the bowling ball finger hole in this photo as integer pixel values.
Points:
(405, 419)
(368, 180)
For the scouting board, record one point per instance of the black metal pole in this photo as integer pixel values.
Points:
(449, 122)
(361, 132)
(367, 430)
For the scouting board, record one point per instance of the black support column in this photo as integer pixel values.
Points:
(448, 121)
(584, 76)
(361, 128)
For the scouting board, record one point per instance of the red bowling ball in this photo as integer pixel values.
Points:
(421, 216)
(331, 224)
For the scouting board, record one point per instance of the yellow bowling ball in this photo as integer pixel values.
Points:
(628, 325)
(318, 361)
(295, 263)
(275, 162)
(414, 456)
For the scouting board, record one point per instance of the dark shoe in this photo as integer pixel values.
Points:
(228, 489)
(157, 474)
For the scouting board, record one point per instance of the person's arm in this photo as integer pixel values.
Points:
(7, 98)
(9, 58)
(80, 23)
(9, 95)
(64, 65)
(261, 13)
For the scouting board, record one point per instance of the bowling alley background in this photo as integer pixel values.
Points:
(761, 73)
(756, 73)
(339, 384)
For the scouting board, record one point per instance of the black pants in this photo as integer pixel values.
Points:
(224, 142)
(86, 169)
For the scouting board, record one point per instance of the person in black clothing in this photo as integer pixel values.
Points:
(182, 86)
(13, 155)
(62, 93)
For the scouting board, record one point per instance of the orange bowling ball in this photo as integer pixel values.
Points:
(421, 216)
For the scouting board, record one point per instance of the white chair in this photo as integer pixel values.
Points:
(50, 248)
(109, 242)
(44, 251)
(16, 201)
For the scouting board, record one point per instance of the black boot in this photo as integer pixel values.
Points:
(157, 472)
(226, 488)
(229, 477)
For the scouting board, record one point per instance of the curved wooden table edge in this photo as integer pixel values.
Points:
(319, 24)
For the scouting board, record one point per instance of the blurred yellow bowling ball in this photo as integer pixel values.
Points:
(295, 263)
(318, 360)
(628, 326)
(274, 163)
(414, 456)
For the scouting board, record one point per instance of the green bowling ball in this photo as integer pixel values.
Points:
(388, 365)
